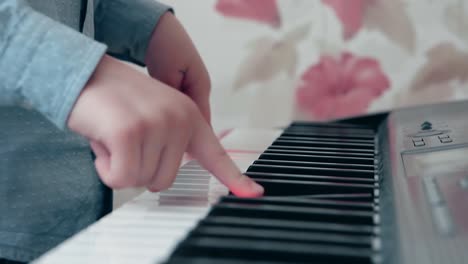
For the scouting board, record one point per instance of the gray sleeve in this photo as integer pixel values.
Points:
(126, 26)
(42, 63)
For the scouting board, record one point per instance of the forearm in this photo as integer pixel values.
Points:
(42, 63)
(126, 26)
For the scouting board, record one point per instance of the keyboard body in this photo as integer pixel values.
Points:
(384, 188)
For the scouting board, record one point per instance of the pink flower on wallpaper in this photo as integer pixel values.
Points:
(338, 87)
(264, 11)
(350, 13)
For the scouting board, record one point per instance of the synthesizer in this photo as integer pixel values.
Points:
(384, 188)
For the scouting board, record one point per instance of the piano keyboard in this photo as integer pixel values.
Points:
(321, 204)
(388, 188)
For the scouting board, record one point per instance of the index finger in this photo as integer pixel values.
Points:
(205, 147)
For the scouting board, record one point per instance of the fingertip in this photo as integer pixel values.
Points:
(257, 189)
(152, 189)
(188, 157)
(247, 187)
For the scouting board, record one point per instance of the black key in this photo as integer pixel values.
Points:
(336, 132)
(322, 144)
(327, 139)
(330, 129)
(259, 234)
(299, 188)
(327, 124)
(295, 213)
(341, 150)
(236, 221)
(315, 164)
(330, 134)
(285, 151)
(356, 197)
(312, 171)
(273, 251)
(315, 178)
(317, 158)
(300, 202)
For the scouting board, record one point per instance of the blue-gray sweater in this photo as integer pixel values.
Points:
(49, 189)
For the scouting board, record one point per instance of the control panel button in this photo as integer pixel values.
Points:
(419, 142)
(445, 138)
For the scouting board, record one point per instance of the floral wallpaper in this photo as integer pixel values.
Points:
(274, 61)
(341, 85)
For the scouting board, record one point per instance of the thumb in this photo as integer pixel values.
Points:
(102, 161)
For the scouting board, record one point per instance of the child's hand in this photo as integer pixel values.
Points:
(172, 59)
(139, 129)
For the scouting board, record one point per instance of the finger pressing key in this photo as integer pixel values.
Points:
(205, 147)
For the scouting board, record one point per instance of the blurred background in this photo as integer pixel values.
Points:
(274, 61)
